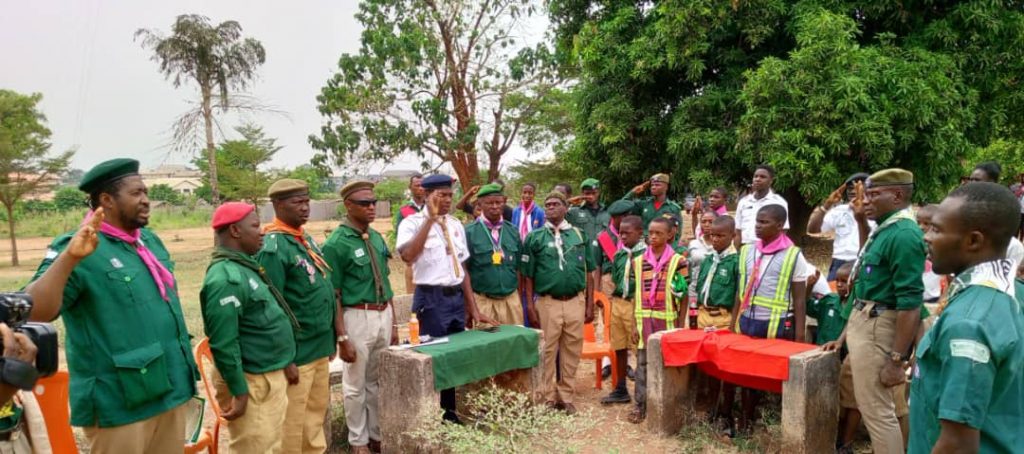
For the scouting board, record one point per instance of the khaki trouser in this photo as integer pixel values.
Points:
(562, 325)
(307, 408)
(160, 434)
(507, 310)
(622, 324)
(18, 444)
(869, 340)
(718, 317)
(260, 428)
(370, 334)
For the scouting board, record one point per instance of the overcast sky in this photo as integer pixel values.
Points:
(103, 94)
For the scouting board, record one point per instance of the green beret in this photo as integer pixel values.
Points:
(662, 177)
(891, 177)
(489, 189)
(555, 195)
(354, 186)
(286, 188)
(106, 172)
(590, 183)
(620, 207)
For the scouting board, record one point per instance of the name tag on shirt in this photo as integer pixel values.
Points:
(360, 252)
(831, 312)
(114, 262)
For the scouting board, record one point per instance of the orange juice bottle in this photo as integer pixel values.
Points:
(414, 330)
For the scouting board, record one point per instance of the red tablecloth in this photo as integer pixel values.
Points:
(746, 361)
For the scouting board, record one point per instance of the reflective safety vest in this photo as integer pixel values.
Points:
(669, 314)
(772, 290)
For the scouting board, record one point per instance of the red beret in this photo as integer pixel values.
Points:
(230, 213)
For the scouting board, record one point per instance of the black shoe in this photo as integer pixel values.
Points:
(629, 372)
(617, 396)
(451, 417)
(606, 372)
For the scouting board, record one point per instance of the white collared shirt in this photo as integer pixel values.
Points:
(434, 266)
(840, 220)
(746, 213)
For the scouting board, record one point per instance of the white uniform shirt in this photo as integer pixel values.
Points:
(802, 270)
(841, 221)
(746, 213)
(434, 266)
(1015, 252)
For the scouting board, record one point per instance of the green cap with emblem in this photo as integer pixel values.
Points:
(620, 207)
(660, 177)
(107, 172)
(287, 187)
(891, 177)
(590, 183)
(489, 189)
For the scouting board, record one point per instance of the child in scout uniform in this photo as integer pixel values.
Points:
(359, 257)
(622, 324)
(591, 216)
(771, 292)
(493, 263)
(968, 387)
(295, 265)
(608, 243)
(250, 330)
(659, 280)
(657, 203)
(717, 281)
(698, 249)
(716, 204)
(132, 367)
(556, 265)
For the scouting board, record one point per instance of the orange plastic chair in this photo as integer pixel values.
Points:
(592, 349)
(52, 394)
(211, 437)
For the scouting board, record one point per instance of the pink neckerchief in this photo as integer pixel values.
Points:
(615, 233)
(161, 276)
(778, 244)
(721, 210)
(525, 219)
(495, 230)
(659, 264)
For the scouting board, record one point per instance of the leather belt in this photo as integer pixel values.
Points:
(446, 291)
(369, 307)
(562, 298)
(876, 310)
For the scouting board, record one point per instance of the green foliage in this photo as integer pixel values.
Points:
(314, 177)
(446, 79)
(239, 161)
(1008, 153)
(545, 174)
(393, 190)
(164, 193)
(506, 421)
(819, 88)
(70, 198)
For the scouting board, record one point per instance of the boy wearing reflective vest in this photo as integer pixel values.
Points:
(772, 290)
(659, 276)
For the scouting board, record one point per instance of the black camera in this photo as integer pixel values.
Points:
(14, 311)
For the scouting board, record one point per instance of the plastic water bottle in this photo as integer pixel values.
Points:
(414, 330)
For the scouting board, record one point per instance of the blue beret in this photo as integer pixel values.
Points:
(437, 181)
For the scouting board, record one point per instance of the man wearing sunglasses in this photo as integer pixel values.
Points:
(359, 257)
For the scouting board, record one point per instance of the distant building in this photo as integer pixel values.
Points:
(44, 192)
(180, 178)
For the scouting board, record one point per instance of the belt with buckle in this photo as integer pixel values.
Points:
(876, 310)
(562, 298)
(369, 307)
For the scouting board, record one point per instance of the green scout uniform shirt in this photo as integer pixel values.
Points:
(828, 310)
(970, 370)
(540, 262)
(644, 207)
(723, 285)
(352, 272)
(601, 260)
(249, 331)
(486, 277)
(309, 294)
(891, 268)
(589, 219)
(623, 260)
(127, 349)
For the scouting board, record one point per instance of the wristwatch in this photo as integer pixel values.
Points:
(898, 357)
(342, 338)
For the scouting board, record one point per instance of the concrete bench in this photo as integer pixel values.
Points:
(810, 398)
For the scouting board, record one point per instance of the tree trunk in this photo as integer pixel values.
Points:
(799, 213)
(14, 242)
(211, 149)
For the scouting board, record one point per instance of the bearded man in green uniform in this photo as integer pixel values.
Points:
(295, 265)
(250, 330)
(886, 314)
(591, 216)
(968, 388)
(657, 203)
(127, 346)
(493, 263)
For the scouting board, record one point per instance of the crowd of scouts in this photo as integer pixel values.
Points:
(277, 306)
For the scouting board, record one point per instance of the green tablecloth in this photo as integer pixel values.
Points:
(473, 355)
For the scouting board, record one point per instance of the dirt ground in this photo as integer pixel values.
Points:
(611, 433)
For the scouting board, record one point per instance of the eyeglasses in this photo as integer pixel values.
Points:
(364, 203)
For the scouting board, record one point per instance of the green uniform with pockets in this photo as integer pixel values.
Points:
(308, 292)
(589, 219)
(970, 370)
(488, 278)
(540, 262)
(891, 268)
(724, 284)
(644, 207)
(127, 349)
(249, 331)
(352, 272)
(828, 311)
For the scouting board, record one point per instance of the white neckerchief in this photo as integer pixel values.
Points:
(716, 258)
(997, 274)
(563, 226)
(637, 248)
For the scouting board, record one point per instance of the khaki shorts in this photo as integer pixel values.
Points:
(622, 324)
(719, 317)
(847, 399)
